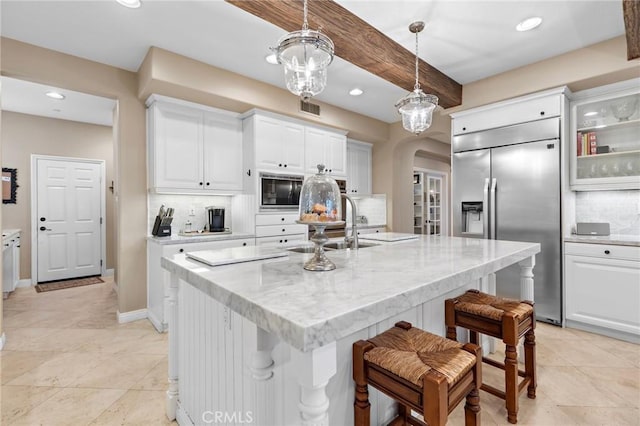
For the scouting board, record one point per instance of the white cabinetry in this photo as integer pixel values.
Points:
(158, 277)
(325, 147)
(358, 168)
(193, 148)
(278, 145)
(543, 105)
(364, 231)
(10, 261)
(605, 142)
(279, 230)
(603, 289)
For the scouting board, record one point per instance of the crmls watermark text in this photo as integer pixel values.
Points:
(225, 417)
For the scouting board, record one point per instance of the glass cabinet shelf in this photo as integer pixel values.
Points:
(605, 139)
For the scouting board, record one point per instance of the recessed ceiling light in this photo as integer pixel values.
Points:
(356, 92)
(55, 95)
(529, 24)
(272, 59)
(590, 113)
(132, 4)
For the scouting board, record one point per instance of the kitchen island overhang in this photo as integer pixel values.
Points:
(312, 311)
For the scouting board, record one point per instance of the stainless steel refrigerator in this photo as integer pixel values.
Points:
(506, 186)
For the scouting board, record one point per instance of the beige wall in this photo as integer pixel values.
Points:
(23, 135)
(32, 63)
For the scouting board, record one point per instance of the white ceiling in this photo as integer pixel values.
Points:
(467, 40)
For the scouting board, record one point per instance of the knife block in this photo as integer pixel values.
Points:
(160, 230)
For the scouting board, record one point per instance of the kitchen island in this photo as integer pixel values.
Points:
(269, 343)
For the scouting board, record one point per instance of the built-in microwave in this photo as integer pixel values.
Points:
(280, 192)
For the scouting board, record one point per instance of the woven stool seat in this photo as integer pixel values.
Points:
(411, 353)
(508, 320)
(421, 371)
(491, 307)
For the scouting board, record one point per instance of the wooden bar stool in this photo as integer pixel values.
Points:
(421, 371)
(505, 319)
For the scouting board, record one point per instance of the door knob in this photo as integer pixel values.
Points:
(42, 219)
(43, 228)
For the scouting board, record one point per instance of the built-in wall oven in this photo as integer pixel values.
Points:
(280, 192)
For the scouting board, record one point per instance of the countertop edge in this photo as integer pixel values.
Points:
(632, 241)
(180, 239)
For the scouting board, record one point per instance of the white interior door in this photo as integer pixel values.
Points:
(68, 216)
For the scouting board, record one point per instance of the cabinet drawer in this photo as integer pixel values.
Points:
(507, 114)
(281, 241)
(274, 230)
(276, 219)
(365, 231)
(608, 251)
(172, 249)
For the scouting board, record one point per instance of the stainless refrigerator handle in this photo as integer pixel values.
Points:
(485, 208)
(492, 210)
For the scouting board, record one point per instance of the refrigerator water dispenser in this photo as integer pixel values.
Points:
(472, 217)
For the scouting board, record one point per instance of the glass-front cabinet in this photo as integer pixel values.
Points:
(605, 139)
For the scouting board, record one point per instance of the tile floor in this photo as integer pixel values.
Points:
(67, 361)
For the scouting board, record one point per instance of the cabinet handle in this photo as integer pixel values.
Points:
(42, 219)
(607, 252)
(181, 250)
(244, 244)
(200, 184)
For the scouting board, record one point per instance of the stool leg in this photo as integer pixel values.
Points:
(472, 408)
(530, 362)
(473, 337)
(450, 318)
(361, 406)
(435, 397)
(511, 383)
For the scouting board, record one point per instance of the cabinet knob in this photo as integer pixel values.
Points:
(280, 165)
(607, 252)
(541, 112)
(208, 184)
(285, 165)
(355, 190)
(42, 219)
(200, 183)
(244, 244)
(181, 250)
(286, 241)
(377, 230)
(282, 219)
(282, 229)
(464, 128)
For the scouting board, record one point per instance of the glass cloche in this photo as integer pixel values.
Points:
(320, 199)
(320, 206)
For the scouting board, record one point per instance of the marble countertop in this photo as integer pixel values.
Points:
(310, 309)
(613, 239)
(181, 239)
(9, 233)
(366, 225)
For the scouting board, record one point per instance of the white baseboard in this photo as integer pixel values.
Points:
(131, 316)
(159, 326)
(24, 283)
(2, 340)
(108, 272)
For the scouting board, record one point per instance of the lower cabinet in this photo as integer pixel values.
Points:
(10, 262)
(158, 278)
(279, 230)
(603, 289)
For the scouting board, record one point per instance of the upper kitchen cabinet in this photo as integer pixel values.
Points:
(605, 141)
(325, 147)
(278, 145)
(358, 168)
(193, 149)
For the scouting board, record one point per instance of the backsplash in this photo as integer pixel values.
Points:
(374, 208)
(619, 208)
(181, 204)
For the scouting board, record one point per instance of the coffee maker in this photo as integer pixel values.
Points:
(215, 216)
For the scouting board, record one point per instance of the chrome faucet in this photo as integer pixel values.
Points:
(352, 242)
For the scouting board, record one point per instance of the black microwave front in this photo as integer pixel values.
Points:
(280, 192)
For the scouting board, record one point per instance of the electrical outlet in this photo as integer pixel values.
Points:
(192, 211)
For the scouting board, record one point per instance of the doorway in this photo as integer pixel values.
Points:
(430, 202)
(68, 229)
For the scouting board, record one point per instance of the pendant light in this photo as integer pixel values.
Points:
(305, 54)
(416, 108)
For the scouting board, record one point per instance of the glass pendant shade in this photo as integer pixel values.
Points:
(416, 108)
(305, 54)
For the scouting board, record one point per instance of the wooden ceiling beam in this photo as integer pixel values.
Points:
(359, 43)
(631, 12)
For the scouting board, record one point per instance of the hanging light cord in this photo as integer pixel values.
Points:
(305, 25)
(417, 85)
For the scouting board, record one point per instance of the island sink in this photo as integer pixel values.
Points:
(338, 245)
